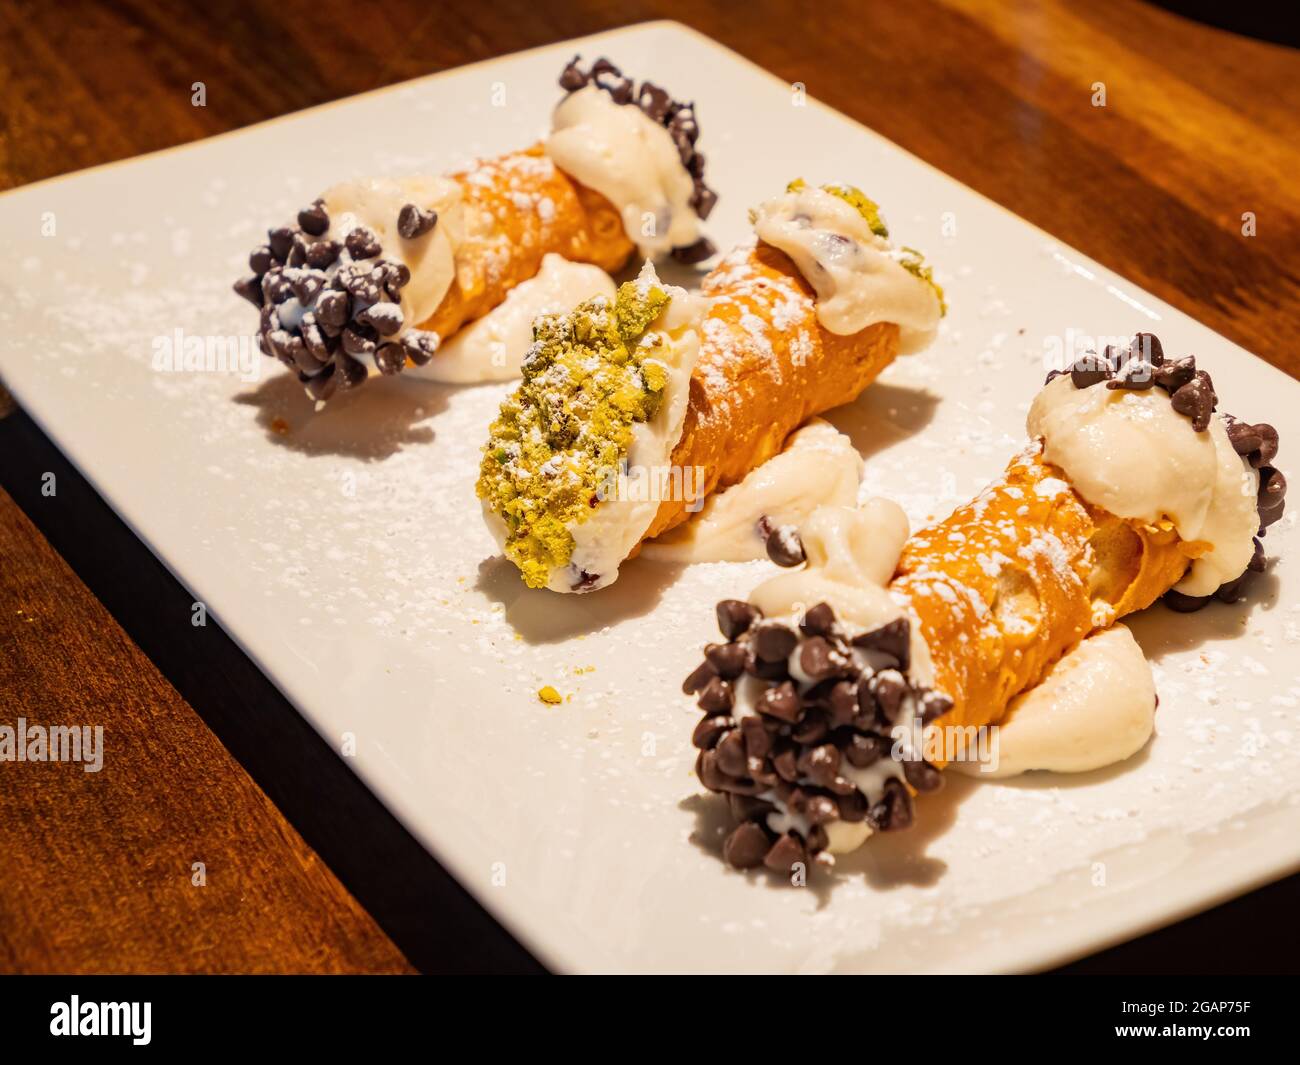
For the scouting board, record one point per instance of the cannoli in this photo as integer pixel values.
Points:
(843, 687)
(378, 272)
(630, 414)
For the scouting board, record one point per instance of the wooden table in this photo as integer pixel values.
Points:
(305, 871)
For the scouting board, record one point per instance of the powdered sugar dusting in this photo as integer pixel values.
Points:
(346, 553)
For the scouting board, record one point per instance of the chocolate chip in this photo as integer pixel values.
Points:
(331, 312)
(756, 667)
(773, 641)
(1257, 444)
(1090, 370)
(780, 701)
(613, 82)
(690, 254)
(890, 688)
(1242, 436)
(419, 346)
(818, 658)
(894, 638)
(571, 77)
(922, 776)
(314, 339)
(322, 253)
(390, 358)
(748, 807)
(813, 728)
(784, 546)
(706, 769)
(1272, 495)
(398, 276)
(748, 844)
(1185, 604)
(1147, 347)
(820, 764)
(1173, 375)
(864, 751)
(683, 124)
(276, 287)
(413, 221)
(716, 696)
(735, 617)
(853, 806)
(251, 289)
(703, 200)
(351, 372)
(758, 741)
(894, 811)
(302, 358)
(1231, 591)
(386, 318)
(818, 620)
(821, 810)
(728, 659)
(843, 703)
(307, 284)
(261, 259)
(363, 289)
(314, 220)
(1267, 449)
(786, 853)
(362, 243)
(731, 754)
(868, 708)
(784, 762)
(355, 342)
(654, 101)
(1135, 376)
(1196, 399)
(933, 706)
(281, 242)
(698, 677)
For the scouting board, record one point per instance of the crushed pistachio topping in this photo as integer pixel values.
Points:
(855, 198)
(914, 263)
(588, 379)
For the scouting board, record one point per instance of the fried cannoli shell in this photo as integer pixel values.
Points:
(1016, 578)
(766, 366)
(504, 244)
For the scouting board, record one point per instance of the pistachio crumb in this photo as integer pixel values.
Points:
(588, 378)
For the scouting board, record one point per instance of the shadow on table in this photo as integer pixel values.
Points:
(542, 617)
(370, 423)
(883, 415)
(886, 861)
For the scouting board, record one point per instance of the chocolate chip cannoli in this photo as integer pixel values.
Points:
(379, 273)
(632, 411)
(846, 684)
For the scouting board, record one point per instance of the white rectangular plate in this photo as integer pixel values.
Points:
(346, 554)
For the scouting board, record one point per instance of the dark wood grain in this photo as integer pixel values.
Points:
(1200, 126)
(168, 857)
(438, 926)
